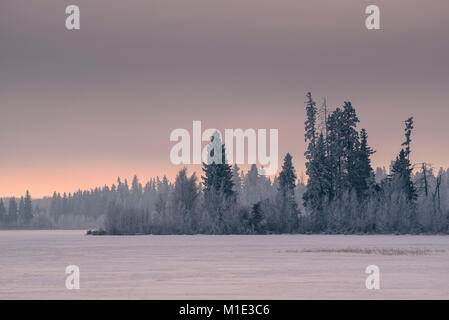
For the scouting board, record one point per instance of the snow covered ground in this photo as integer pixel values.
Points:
(32, 266)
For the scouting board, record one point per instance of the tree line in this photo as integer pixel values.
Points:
(342, 194)
(16, 214)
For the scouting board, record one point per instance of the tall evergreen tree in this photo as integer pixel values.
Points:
(319, 186)
(315, 159)
(351, 144)
(402, 168)
(310, 127)
(27, 208)
(343, 144)
(218, 186)
(363, 177)
(287, 177)
(402, 175)
(218, 176)
(286, 196)
(335, 151)
(21, 209)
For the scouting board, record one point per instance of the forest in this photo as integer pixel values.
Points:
(341, 193)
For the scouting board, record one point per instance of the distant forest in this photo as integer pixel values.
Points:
(342, 194)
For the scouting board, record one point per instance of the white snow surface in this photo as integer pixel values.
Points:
(33, 263)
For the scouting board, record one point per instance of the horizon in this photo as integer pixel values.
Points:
(144, 179)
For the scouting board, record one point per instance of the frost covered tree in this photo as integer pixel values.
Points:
(237, 179)
(351, 144)
(164, 188)
(343, 143)
(336, 163)
(288, 208)
(20, 210)
(27, 211)
(218, 187)
(3, 215)
(319, 186)
(381, 174)
(314, 187)
(363, 175)
(136, 187)
(317, 166)
(251, 193)
(184, 202)
(310, 126)
(217, 172)
(257, 221)
(12, 211)
(401, 174)
(401, 170)
(287, 176)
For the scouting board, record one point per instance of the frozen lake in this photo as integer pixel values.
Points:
(32, 266)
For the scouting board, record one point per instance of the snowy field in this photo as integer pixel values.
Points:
(32, 266)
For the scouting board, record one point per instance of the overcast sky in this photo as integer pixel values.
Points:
(79, 108)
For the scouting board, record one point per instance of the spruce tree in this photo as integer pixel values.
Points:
(287, 177)
(218, 186)
(335, 151)
(286, 196)
(256, 217)
(319, 186)
(343, 144)
(351, 144)
(315, 149)
(218, 176)
(310, 127)
(363, 178)
(402, 168)
(402, 175)
(28, 208)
